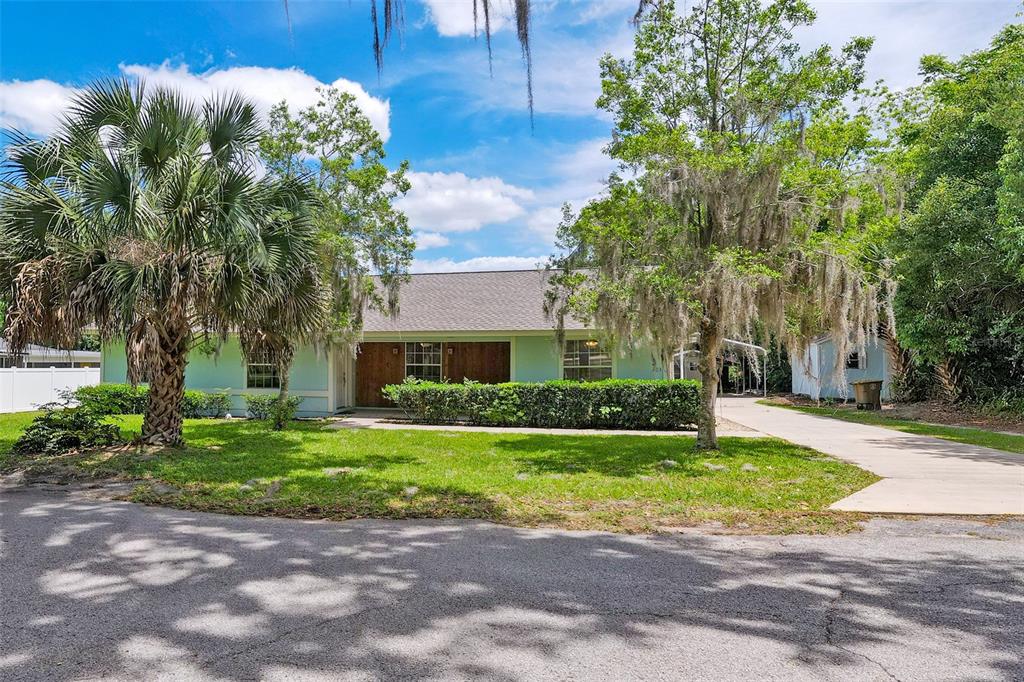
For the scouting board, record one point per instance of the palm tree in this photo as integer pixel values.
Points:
(148, 216)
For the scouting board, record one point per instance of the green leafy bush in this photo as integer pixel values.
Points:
(197, 404)
(268, 406)
(111, 398)
(610, 404)
(260, 405)
(126, 399)
(63, 429)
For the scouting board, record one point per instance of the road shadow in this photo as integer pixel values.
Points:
(1013, 462)
(96, 589)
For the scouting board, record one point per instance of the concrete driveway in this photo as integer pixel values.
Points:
(101, 590)
(921, 475)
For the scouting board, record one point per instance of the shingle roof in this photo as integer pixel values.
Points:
(469, 301)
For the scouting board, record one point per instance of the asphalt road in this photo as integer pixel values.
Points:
(101, 590)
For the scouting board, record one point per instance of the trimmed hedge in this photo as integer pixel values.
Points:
(609, 404)
(128, 399)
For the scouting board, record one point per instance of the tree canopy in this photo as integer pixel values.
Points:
(146, 216)
(958, 144)
(730, 212)
(332, 146)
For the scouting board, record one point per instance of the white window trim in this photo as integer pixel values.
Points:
(274, 371)
(862, 361)
(440, 362)
(561, 359)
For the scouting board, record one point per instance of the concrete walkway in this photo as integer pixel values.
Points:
(921, 475)
(393, 419)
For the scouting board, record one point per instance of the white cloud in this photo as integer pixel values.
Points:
(904, 31)
(265, 86)
(478, 264)
(567, 47)
(544, 221)
(35, 106)
(565, 58)
(596, 10)
(430, 240)
(455, 17)
(566, 73)
(583, 173)
(454, 202)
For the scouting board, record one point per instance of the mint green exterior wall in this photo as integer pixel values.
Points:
(535, 358)
(639, 364)
(226, 372)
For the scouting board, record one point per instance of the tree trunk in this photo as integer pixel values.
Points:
(284, 369)
(710, 346)
(162, 423)
(948, 378)
(901, 366)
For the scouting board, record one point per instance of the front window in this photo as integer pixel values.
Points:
(423, 360)
(261, 373)
(855, 361)
(586, 360)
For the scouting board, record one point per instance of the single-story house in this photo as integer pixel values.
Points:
(812, 376)
(41, 357)
(485, 326)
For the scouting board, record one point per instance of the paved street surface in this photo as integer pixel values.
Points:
(100, 590)
(921, 475)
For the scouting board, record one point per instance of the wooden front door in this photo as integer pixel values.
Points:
(378, 364)
(488, 362)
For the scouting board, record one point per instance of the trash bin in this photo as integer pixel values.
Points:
(868, 394)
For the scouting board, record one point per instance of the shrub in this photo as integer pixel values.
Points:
(198, 404)
(427, 401)
(126, 399)
(259, 405)
(266, 406)
(610, 404)
(63, 429)
(111, 398)
(283, 411)
(217, 404)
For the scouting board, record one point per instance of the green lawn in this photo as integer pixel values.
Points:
(11, 426)
(959, 434)
(606, 482)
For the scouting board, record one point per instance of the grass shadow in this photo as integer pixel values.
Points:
(621, 457)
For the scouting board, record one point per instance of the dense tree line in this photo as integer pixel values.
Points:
(957, 146)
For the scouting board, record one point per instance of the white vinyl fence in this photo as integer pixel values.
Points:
(22, 390)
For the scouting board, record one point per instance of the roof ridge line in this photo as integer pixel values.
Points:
(478, 272)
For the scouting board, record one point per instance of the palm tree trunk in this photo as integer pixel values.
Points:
(162, 423)
(284, 366)
(710, 346)
(901, 366)
(949, 380)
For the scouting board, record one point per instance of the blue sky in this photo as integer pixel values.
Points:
(487, 188)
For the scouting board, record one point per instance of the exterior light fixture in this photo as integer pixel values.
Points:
(591, 343)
